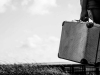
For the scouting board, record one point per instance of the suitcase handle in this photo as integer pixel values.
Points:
(88, 24)
(91, 24)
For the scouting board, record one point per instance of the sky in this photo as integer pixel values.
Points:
(30, 30)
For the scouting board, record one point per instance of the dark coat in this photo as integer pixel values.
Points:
(89, 15)
(92, 4)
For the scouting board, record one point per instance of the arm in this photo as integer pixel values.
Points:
(84, 4)
(84, 13)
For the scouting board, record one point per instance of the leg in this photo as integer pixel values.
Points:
(96, 15)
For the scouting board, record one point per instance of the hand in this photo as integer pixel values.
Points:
(84, 16)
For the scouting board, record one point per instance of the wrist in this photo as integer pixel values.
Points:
(84, 10)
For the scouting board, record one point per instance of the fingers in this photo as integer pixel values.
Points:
(84, 19)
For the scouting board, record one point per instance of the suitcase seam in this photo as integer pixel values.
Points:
(97, 48)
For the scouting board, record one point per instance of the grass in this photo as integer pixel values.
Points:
(30, 69)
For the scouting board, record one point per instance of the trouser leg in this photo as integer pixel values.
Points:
(96, 15)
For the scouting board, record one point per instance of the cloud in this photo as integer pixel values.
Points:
(25, 2)
(41, 49)
(37, 49)
(40, 6)
(36, 41)
(4, 4)
(72, 8)
(34, 49)
(32, 42)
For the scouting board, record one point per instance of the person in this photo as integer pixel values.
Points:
(90, 9)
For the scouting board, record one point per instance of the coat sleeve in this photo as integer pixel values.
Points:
(84, 4)
(81, 1)
(84, 12)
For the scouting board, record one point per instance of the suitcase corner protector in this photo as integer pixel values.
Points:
(63, 23)
(58, 55)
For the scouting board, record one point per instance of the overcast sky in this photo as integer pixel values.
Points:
(30, 30)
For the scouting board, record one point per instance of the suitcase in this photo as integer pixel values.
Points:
(80, 42)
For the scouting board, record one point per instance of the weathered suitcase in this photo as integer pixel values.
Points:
(80, 42)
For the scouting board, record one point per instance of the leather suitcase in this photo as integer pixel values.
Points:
(80, 42)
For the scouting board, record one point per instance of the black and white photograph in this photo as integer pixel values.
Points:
(49, 37)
